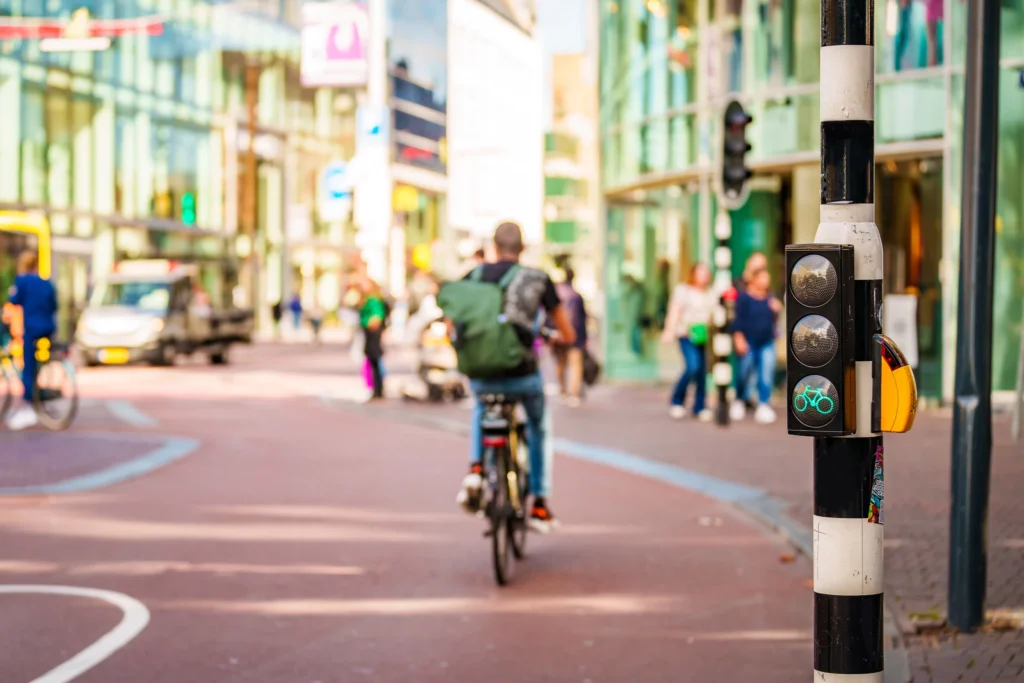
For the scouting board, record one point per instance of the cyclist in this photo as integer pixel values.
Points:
(38, 301)
(528, 292)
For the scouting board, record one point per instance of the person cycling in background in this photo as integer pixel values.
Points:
(528, 292)
(37, 298)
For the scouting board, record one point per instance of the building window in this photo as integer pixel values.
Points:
(33, 147)
(58, 156)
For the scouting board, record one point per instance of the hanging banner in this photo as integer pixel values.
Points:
(335, 38)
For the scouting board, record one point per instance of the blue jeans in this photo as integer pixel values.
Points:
(759, 360)
(31, 366)
(695, 371)
(529, 391)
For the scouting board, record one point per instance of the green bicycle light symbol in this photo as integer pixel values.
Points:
(813, 398)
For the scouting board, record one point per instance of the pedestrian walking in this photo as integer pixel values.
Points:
(688, 324)
(295, 306)
(569, 358)
(372, 319)
(756, 261)
(277, 312)
(316, 319)
(754, 331)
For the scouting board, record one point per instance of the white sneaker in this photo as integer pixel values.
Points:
(737, 411)
(677, 412)
(22, 418)
(469, 495)
(764, 414)
(706, 415)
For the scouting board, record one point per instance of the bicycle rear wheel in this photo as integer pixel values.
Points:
(501, 546)
(518, 519)
(56, 394)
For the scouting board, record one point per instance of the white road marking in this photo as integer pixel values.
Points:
(128, 413)
(135, 619)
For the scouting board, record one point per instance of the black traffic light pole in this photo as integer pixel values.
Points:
(972, 410)
(733, 195)
(848, 463)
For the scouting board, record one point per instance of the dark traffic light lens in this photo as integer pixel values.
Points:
(815, 401)
(814, 280)
(815, 341)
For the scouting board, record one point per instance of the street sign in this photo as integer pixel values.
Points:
(820, 375)
(335, 191)
(372, 128)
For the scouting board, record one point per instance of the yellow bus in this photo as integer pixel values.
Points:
(20, 230)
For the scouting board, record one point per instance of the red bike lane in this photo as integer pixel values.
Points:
(303, 543)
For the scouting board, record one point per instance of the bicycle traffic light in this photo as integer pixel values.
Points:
(735, 173)
(821, 380)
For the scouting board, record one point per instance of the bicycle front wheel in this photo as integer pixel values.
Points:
(56, 394)
(501, 546)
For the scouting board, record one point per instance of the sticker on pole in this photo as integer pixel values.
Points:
(876, 508)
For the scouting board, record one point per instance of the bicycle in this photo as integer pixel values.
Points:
(55, 397)
(507, 476)
(813, 398)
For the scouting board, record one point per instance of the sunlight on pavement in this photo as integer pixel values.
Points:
(156, 567)
(81, 525)
(781, 635)
(579, 606)
(326, 512)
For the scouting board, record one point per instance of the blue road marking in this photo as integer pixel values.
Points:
(170, 450)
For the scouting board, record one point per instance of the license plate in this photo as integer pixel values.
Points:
(113, 356)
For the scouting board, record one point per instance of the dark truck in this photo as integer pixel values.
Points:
(154, 311)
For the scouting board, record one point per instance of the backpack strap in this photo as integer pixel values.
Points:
(477, 274)
(506, 279)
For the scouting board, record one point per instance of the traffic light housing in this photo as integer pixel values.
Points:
(735, 173)
(821, 382)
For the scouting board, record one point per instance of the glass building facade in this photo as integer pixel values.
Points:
(137, 151)
(667, 69)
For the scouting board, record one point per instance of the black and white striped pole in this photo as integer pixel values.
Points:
(834, 312)
(721, 343)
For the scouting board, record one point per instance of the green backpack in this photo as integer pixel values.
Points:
(487, 344)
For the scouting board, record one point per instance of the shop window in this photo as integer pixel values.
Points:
(58, 155)
(33, 147)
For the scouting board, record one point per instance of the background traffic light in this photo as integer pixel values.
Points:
(820, 369)
(735, 173)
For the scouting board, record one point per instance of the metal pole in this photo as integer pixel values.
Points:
(1018, 404)
(972, 408)
(250, 187)
(848, 472)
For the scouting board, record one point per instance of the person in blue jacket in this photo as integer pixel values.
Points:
(37, 298)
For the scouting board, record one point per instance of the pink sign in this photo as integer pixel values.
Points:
(334, 43)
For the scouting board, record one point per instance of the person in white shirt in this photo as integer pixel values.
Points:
(688, 324)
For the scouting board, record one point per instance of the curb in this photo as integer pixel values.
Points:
(758, 504)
